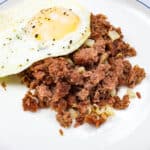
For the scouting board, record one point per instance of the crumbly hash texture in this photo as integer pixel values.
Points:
(83, 85)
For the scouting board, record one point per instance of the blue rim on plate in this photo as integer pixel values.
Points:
(146, 3)
(2, 1)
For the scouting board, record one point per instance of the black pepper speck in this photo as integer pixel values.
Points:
(20, 65)
(36, 35)
(2, 67)
(70, 41)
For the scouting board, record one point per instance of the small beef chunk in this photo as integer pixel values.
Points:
(99, 46)
(99, 26)
(61, 90)
(107, 100)
(121, 104)
(38, 75)
(59, 68)
(41, 65)
(62, 106)
(85, 56)
(119, 48)
(83, 94)
(79, 120)
(33, 84)
(123, 79)
(75, 77)
(72, 100)
(95, 120)
(64, 118)
(100, 94)
(38, 67)
(96, 75)
(117, 66)
(30, 102)
(44, 95)
(112, 76)
(136, 75)
(111, 81)
(83, 107)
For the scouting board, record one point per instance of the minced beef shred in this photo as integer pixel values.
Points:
(83, 79)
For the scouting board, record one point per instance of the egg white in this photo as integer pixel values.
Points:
(18, 50)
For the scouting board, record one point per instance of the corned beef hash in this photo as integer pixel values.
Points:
(73, 62)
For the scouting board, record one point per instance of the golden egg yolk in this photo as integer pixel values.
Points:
(53, 24)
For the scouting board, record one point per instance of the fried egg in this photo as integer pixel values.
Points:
(35, 29)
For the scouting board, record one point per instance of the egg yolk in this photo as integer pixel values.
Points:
(53, 24)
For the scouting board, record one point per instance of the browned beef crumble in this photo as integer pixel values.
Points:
(73, 85)
(4, 85)
(61, 132)
(138, 94)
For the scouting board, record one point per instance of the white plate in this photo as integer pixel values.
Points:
(128, 129)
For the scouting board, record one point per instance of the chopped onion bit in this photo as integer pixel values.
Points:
(108, 110)
(70, 61)
(119, 55)
(74, 114)
(113, 35)
(131, 94)
(89, 42)
(113, 92)
(81, 70)
(104, 57)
